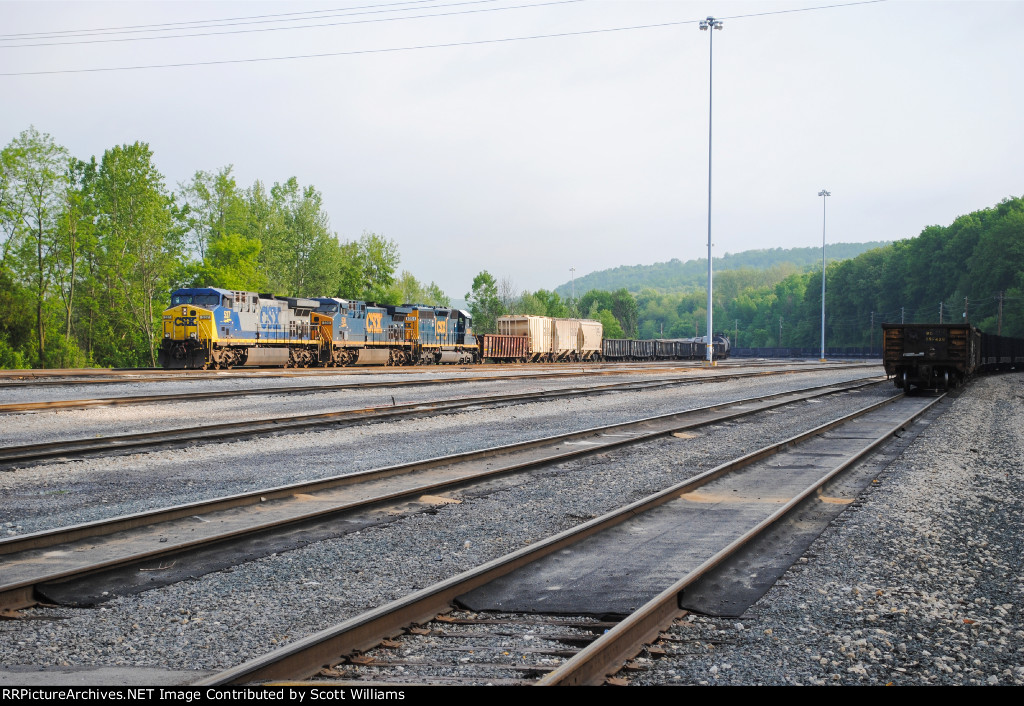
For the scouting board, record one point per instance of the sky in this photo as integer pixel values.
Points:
(525, 154)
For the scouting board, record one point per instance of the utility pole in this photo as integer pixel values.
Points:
(967, 319)
(903, 315)
(871, 346)
(780, 332)
(999, 330)
(940, 312)
(736, 337)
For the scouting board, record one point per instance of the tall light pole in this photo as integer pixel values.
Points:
(712, 24)
(823, 194)
(572, 272)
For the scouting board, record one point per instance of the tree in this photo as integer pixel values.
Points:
(33, 185)
(143, 249)
(214, 207)
(484, 303)
(379, 258)
(625, 311)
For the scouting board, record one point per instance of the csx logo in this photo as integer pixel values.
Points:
(268, 318)
(441, 327)
(185, 321)
(373, 323)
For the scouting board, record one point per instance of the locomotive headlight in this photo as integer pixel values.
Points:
(167, 335)
(192, 335)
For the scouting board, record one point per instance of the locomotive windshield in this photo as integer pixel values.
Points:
(196, 299)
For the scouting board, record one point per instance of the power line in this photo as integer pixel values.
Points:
(447, 45)
(156, 27)
(317, 25)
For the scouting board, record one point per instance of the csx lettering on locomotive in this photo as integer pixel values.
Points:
(373, 322)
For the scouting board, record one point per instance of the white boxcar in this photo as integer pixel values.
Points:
(537, 328)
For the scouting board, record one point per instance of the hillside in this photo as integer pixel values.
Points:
(676, 276)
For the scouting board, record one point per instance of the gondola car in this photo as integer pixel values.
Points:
(943, 356)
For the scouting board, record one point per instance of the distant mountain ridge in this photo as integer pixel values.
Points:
(675, 275)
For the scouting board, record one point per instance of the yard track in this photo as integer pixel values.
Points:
(341, 652)
(59, 555)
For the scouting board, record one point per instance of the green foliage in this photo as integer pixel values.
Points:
(484, 304)
(11, 357)
(676, 276)
(612, 329)
(413, 292)
(233, 262)
(89, 251)
(378, 259)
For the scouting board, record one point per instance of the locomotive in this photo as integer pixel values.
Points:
(207, 327)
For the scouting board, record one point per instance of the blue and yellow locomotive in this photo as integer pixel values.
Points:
(207, 327)
(368, 334)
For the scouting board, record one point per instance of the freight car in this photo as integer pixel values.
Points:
(543, 339)
(207, 327)
(666, 348)
(943, 356)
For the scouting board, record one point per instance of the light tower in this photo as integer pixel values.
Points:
(710, 24)
(823, 194)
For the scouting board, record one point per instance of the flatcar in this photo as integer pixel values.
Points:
(943, 356)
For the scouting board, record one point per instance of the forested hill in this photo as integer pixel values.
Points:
(676, 276)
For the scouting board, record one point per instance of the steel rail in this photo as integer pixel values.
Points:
(90, 376)
(609, 652)
(305, 657)
(19, 592)
(20, 407)
(29, 453)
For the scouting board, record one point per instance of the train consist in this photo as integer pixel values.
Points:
(943, 356)
(218, 328)
(208, 327)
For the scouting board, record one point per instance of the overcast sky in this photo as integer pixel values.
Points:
(529, 157)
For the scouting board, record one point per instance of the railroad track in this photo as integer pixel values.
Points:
(90, 376)
(150, 539)
(709, 518)
(53, 405)
(27, 454)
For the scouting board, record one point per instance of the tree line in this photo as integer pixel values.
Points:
(90, 249)
(971, 270)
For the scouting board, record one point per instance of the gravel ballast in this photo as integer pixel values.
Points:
(224, 618)
(921, 583)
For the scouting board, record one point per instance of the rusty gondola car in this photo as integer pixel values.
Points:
(944, 356)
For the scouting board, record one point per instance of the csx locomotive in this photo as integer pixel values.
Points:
(207, 327)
